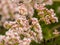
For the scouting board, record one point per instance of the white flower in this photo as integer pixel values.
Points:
(27, 1)
(22, 9)
(2, 37)
(48, 2)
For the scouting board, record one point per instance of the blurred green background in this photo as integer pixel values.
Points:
(49, 37)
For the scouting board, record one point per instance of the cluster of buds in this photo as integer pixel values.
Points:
(20, 32)
(17, 17)
(12, 9)
(13, 39)
(9, 9)
(48, 16)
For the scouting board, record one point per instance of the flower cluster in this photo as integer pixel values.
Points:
(21, 32)
(17, 17)
(48, 16)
